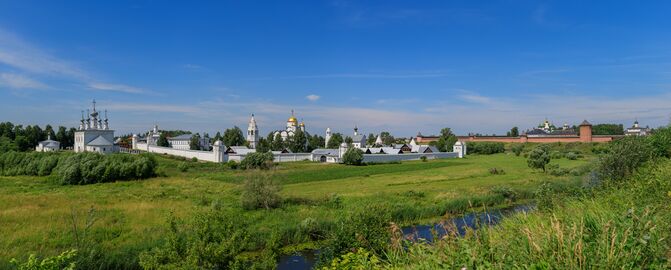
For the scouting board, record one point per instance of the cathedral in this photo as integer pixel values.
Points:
(292, 127)
(94, 134)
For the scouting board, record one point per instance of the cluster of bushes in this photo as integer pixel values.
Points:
(257, 160)
(79, 168)
(353, 156)
(89, 168)
(485, 148)
(260, 191)
(496, 171)
(29, 163)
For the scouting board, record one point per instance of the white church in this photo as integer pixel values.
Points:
(94, 134)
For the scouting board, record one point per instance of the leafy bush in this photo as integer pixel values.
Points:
(556, 155)
(554, 169)
(358, 259)
(257, 160)
(517, 149)
(89, 168)
(260, 191)
(210, 240)
(194, 159)
(571, 156)
(364, 228)
(353, 156)
(232, 164)
(660, 140)
(64, 261)
(624, 157)
(496, 171)
(423, 158)
(538, 158)
(506, 192)
(79, 168)
(485, 148)
(183, 167)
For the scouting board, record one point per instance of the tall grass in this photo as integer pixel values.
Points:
(623, 226)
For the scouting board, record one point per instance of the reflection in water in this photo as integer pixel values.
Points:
(304, 260)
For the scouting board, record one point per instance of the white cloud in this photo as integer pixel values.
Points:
(21, 56)
(312, 97)
(116, 87)
(20, 82)
(475, 98)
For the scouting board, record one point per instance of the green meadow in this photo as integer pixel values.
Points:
(39, 216)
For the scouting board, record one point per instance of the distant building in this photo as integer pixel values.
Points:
(421, 139)
(94, 134)
(291, 128)
(181, 142)
(252, 133)
(358, 140)
(546, 133)
(48, 145)
(637, 130)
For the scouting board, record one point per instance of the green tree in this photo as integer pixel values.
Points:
(446, 140)
(514, 132)
(315, 142)
(234, 137)
(298, 142)
(608, 129)
(348, 140)
(335, 141)
(353, 156)
(386, 137)
(194, 143)
(278, 143)
(163, 140)
(263, 145)
(539, 158)
(218, 137)
(370, 140)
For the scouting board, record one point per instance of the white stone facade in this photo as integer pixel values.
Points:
(94, 135)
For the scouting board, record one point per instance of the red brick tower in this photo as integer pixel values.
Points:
(585, 131)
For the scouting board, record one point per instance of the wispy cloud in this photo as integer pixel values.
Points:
(475, 98)
(312, 97)
(116, 88)
(24, 57)
(192, 66)
(17, 81)
(406, 75)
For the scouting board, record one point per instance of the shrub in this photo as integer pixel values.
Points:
(423, 158)
(571, 156)
(554, 169)
(183, 167)
(232, 164)
(624, 157)
(210, 240)
(485, 148)
(506, 192)
(517, 149)
(353, 156)
(367, 228)
(496, 171)
(64, 261)
(257, 160)
(660, 140)
(556, 155)
(538, 158)
(358, 259)
(260, 191)
(194, 159)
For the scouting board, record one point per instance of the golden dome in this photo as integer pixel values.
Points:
(292, 119)
(302, 124)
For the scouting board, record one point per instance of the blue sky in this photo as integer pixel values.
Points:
(402, 66)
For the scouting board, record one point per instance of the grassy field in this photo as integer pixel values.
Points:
(41, 217)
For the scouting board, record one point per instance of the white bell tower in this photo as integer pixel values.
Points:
(252, 133)
(328, 137)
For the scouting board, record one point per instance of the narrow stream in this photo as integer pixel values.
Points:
(304, 260)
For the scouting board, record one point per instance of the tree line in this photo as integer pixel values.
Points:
(23, 138)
